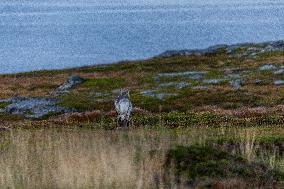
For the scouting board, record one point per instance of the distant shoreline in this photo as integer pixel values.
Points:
(267, 46)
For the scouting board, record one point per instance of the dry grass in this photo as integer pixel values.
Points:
(247, 144)
(13, 85)
(102, 159)
(70, 159)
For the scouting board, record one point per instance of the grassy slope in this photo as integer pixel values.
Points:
(253, 101)
(254, 105)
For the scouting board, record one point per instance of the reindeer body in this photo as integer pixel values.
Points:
(123, 107)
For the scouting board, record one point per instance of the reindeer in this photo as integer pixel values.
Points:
(123, 108)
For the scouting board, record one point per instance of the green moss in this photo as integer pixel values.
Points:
(104, 84)
(84, 101)
(104, 122)
(146, 120)
(4, 104)
(214, 74)
(10, 117)
(271, 54)
(268, 120)
(196, 162)
(239, 50)
(146, 102)
(212, 119)
(260, 140)
(270, 140)
(223, 98)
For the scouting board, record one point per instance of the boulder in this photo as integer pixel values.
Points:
(237, 84)
(183, 74)
(33, 107)
(199, 87)
(214, 81)
(231, 69)
(267, 67)
(257, 81)
(251, 50)
(195, 75)
(68, 85)
(178, 85)
(279, 82)
(280, 71)
(234, 76)
(156, 94)
(188, 52)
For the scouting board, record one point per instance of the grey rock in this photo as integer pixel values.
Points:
(277, 44)
(156, 94)
(252, 49)
(268, 48)
(246, 72)
(255, 49)
(272, 46)
(267, 67)
(237, 84)
(5, 100)
(209, 50)
(150, 93)
(99, 94)
(186, 74)
(68, 85)
(231, 69)
(214, 81)
(232, 76)
(233, 47)
(282, 65)
(162, 96)
(195, 77)
(33, 107)
(181, 85)
(199, 87)
(257, 81)
(280, 71)
(279, 82)
(178, 85)
(164, 85)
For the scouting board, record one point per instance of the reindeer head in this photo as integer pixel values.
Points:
(124, 93)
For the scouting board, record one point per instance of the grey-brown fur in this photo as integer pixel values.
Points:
(123, 107)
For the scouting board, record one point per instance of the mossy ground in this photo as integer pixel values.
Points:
(195, 162)
(216, 108)
(4, 104)
(100, 82)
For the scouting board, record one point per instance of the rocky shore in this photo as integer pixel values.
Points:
(249, 50)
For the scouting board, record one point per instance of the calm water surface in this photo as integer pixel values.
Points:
(38, 34)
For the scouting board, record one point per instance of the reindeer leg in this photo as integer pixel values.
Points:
(118, 123)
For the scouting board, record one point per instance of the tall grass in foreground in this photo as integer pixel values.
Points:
(83, 159)
(97, 159)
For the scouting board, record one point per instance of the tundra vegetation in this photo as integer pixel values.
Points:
(210, 120)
